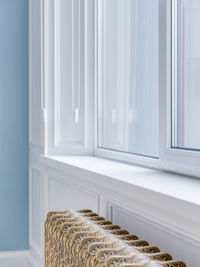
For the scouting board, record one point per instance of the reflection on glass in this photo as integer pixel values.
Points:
(128, 42)
(188, 74)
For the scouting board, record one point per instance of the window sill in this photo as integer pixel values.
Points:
(109, 173)
(166, 199)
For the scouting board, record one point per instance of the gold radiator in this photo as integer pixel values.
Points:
(83, 238)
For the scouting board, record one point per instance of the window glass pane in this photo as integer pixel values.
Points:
(128, 48)
(187, 81)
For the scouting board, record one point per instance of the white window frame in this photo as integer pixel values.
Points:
(170, 159)
(50, 90)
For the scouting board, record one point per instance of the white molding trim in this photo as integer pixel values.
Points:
(46, 194)
(37, 248)
(180, 161)
(51, 58)
(15, 258)
(171, 229)
(172, 238)
(98, 170)
(34, 156)
(50, 174)
(35, 258)
(14, 254)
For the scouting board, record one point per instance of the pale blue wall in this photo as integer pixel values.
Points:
(13, 124)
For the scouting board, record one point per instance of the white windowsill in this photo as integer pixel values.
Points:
(168, 184)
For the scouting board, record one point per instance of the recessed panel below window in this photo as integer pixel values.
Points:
(128, 76)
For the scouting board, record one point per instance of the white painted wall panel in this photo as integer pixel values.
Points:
(36, 208)
(70, 196)
(166, 240)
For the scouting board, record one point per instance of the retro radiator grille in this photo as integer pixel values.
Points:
(83, 238)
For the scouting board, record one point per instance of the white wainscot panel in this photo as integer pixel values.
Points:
(155, 233)
(35, 210)
(64, 195)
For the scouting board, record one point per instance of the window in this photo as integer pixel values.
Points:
(148, 82)
(124, 82)
(186, 78)
(128, 76)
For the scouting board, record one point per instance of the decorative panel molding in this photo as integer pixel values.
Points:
(68, 84)
(64, 195)
(174, 240)
(69, 73)
(35, 184)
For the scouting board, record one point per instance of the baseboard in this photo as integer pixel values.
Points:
(26, 258)
(15, 259)
(35, 259)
